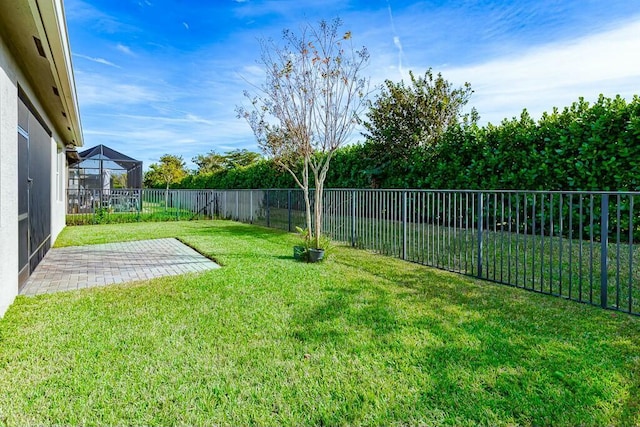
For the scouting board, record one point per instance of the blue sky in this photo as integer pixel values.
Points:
(165, 76)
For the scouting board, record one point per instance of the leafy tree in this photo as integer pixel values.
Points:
(240, 158)
(213, 162)
(170, 170)
(406, 116)
(309, 105)
(209, 163)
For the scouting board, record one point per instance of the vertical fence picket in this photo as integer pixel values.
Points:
(561, 244)
(631, 227)
(591, 245)
(405, 233)
(618, 215)
(268, 208)
(289, 201)
(517, 266)
(604, 250)
(480, 210)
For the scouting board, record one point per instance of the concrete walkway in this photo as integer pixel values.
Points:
(79, 267)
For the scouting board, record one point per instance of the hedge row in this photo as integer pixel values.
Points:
(583, 147)
(263, 174)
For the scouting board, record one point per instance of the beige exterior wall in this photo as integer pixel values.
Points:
(10, 77)
(58, 190)
(8, 179)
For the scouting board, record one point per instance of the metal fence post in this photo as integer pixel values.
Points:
(174, 203)
(289, 207)
(237, 205)
(224, 215)
(353, 218)
(404, 225)
(479, 225)
(604, 246)
(268, 219)
(250, 206)
(215, 205)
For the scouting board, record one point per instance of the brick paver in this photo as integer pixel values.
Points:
(79, 267)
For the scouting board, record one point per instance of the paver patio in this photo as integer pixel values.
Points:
(78, 267)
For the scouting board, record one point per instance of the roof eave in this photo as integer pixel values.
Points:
(53, 28)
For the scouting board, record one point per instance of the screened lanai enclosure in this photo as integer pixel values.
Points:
(104, 178)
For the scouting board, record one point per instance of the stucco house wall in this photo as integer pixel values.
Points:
(35, 71)
(8, 179)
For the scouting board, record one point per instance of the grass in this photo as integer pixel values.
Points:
(564, 266)
(360, 339)
(150, 212)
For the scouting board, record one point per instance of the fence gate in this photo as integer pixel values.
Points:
(34, 189)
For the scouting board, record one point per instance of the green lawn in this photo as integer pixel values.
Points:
(360, 339)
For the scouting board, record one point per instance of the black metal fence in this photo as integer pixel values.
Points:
(582, 246)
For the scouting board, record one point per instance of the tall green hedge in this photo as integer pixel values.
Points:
(582, 147)
(263, 174)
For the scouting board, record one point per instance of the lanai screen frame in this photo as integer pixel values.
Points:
(106, 159)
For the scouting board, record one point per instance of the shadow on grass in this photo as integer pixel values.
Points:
(485, 353)
(246, 231)
(509, 347)
(345, 313)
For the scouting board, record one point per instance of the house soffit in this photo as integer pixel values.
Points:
(35, 32)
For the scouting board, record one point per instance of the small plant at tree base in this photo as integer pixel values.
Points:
(301, 251)
(325, 244)
(305, 236)
(310, 243)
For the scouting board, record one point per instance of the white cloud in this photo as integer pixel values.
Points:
(179, 101)
(555, 74)
(187, 119)
(98, 60)
(251, 76)
(98, 89)
(147, 137)
(247, 9)
(125, 49)
(86, 13)
(396, 39)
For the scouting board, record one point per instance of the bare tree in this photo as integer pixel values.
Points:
(309, 105)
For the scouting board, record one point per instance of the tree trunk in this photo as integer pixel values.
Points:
(304, 185)
(307, 200)
(320, 174)
(318, 213)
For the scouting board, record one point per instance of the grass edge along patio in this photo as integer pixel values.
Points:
(360, 339)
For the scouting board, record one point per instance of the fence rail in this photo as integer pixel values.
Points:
(582, 246)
